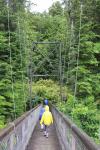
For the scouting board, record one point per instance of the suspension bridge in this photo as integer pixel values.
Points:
(25, 133)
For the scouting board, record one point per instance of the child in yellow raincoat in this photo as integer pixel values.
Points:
(47, 120)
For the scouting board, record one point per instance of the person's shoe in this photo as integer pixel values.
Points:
(42, 126)
(47, 135)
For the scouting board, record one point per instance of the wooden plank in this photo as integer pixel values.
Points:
(39, 142)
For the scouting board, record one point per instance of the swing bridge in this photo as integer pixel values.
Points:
(24, 133)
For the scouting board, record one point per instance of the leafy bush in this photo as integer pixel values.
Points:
(47, 89)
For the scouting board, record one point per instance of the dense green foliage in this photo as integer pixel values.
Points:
(47, 89)
(62, 24)
(12, 88)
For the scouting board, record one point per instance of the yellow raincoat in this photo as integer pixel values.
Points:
(47, 118)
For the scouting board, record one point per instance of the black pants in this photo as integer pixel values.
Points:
(46, 128)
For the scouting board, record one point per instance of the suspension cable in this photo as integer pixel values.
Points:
(11, 68)
(28, 61)
(28, 71)
(76, 76)
(60, 69)
(70, 44)
(24, 35)
(64, 61)
(21, 58)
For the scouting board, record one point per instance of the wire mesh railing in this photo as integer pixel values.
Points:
(16, 136)
(70, 136)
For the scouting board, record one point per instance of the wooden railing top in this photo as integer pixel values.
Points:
(4, 132)
(86, 140)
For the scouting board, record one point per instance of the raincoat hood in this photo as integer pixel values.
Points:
(47, 118)
(46, 108)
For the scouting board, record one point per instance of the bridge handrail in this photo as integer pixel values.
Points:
(15, 123)
(86, 140)
(24, 123)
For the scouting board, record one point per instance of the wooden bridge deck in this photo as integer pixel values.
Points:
(39, 142)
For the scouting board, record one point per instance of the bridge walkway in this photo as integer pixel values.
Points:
(18, 134)
(39, 142)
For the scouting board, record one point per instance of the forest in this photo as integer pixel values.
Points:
(71, 69)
